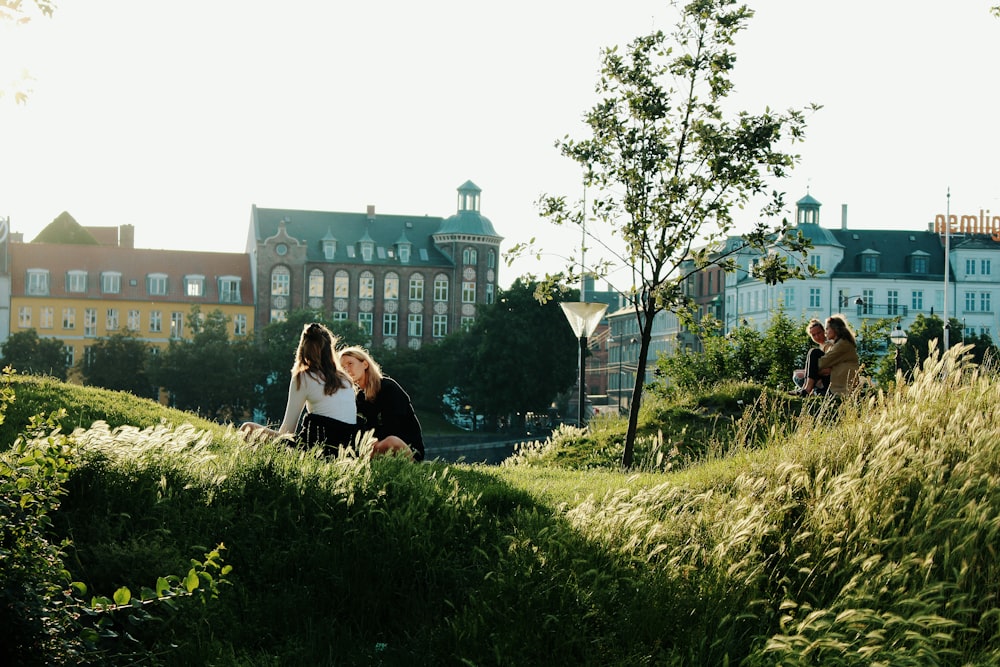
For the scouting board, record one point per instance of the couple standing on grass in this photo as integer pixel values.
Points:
(344, 393)
(833, 366)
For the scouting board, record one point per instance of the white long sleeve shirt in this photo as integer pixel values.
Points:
(339, 405)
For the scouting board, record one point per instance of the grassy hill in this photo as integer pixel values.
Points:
(759, 533)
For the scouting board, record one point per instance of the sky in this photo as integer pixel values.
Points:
(179, 116)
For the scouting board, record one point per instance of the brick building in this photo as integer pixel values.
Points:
(406, 279)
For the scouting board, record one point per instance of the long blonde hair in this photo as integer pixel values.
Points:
(371, 383)
(315, 355)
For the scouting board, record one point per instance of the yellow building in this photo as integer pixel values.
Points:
(80, 293)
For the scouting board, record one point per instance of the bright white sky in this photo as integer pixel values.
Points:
(178, 116)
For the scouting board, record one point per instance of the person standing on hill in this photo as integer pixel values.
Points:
(842, 357)
(321, 386)
(383, 406)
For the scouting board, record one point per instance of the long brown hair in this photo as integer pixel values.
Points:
(840, 328)
(315, 355)
(372, 382)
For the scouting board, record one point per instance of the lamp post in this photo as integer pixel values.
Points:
(859, 301)
(898, 338)
(583, 318)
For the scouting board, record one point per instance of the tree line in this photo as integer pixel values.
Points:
(519, 356)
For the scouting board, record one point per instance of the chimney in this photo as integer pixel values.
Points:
(126, 236)
(843, 217)
(371, 211)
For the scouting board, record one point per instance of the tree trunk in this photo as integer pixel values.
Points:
(645, 337)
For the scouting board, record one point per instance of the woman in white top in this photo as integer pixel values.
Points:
(321, 386)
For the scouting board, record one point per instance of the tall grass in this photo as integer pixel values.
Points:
(856, 533)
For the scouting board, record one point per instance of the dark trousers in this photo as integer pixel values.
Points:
(332, 434)
(812, 370)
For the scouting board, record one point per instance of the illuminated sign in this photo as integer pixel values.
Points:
(969, 224)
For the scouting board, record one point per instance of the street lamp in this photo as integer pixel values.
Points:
(898, 338)
(857, 302)
(583, 319)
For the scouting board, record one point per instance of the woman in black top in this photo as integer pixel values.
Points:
(383, 406)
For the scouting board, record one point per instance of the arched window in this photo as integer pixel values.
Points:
(366, 285)
(470, 257)
(341, 285)
(390, 290)
(281, 280)
(441, 287)
(416, 287)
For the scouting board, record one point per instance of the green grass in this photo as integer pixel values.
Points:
(865, 534)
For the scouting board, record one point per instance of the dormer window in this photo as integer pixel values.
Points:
(919, 262)
(76, 281)
(403, 249)
(367, 250)
(38, 282)
(329, 248)
(870, 260)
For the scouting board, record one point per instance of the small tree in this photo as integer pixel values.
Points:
(27, 353)
(209, 374)
(118, 362)
(669, 168)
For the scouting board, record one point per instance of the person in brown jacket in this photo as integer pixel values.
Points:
(841, 358)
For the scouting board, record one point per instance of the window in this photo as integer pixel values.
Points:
(281, 281)
(176, 324)
(367, 248)
(892, 302)
(984, 267)
(441, 287)
(341, 285)
(390, 290)
(917, 299)
(814, 295)
(90, 322)
(38, 282)
(111, 282)
(489, 292)
(111, 321)
(404, 253)
(155, 322)
(279, 314)
(869, 264)
(69, 352)
(491, 259)
(229, 290)
(339, 316)
(969, 332)
(134, 321)
(76, 281)
(46, 317)
(156, 284)
(919, 264)
(315, 284)
(24, 317)
(469, 256)
(365, 320)
(439, 327)
(467, 323)
(985, 302)
(468, 292)
(985, 331)
(970, 267)
(868, 296)
(240, 325)
(329, 248)
(366, 286)
(390, 324)
(970, 301)
(789, 296)
(194, 286)
(416, 287)
(415, 325)
(816, 261)
(69, 318)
